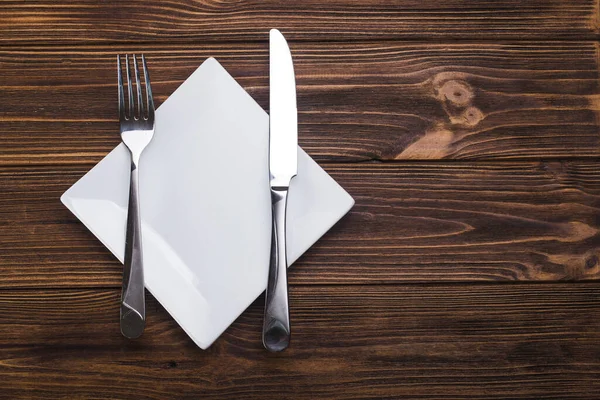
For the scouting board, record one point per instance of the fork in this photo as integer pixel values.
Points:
(137, 129)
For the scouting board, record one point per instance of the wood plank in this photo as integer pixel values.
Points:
(357, 101)
(85, 21)
(421, 222)
(367, 342)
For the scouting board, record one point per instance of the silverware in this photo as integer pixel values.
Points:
(283, 166)
(137, 129)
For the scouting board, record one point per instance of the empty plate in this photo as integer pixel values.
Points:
(205, 203)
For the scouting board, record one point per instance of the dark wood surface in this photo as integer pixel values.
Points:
(357, 101)
(350, 342)
(85, 21)
(467, 132)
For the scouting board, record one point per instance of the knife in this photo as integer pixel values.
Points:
(283, 166)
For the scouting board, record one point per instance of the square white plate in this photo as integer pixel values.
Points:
(205, 203)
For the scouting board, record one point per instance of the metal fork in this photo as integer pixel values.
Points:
(137, 129)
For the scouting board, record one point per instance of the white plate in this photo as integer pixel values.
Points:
(205, 203)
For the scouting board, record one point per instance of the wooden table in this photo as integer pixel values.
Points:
(467, 131)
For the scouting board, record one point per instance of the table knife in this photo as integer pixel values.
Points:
(283, 166)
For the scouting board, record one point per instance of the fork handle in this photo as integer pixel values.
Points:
(133, 304)
(276, 323)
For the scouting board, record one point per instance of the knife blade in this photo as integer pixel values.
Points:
(283, 166)
(283, 141)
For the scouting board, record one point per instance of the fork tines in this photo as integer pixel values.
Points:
(142, 111)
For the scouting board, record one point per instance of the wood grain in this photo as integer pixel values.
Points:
(381, 101)
(423, 222)
(85, 21)
(476, 279)
(361, 342)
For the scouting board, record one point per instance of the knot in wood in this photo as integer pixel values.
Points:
(472, 116)
(457, 92)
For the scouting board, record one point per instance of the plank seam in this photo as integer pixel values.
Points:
(412, 40)
(582, 283)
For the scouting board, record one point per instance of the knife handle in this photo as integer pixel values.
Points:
(276, 324)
